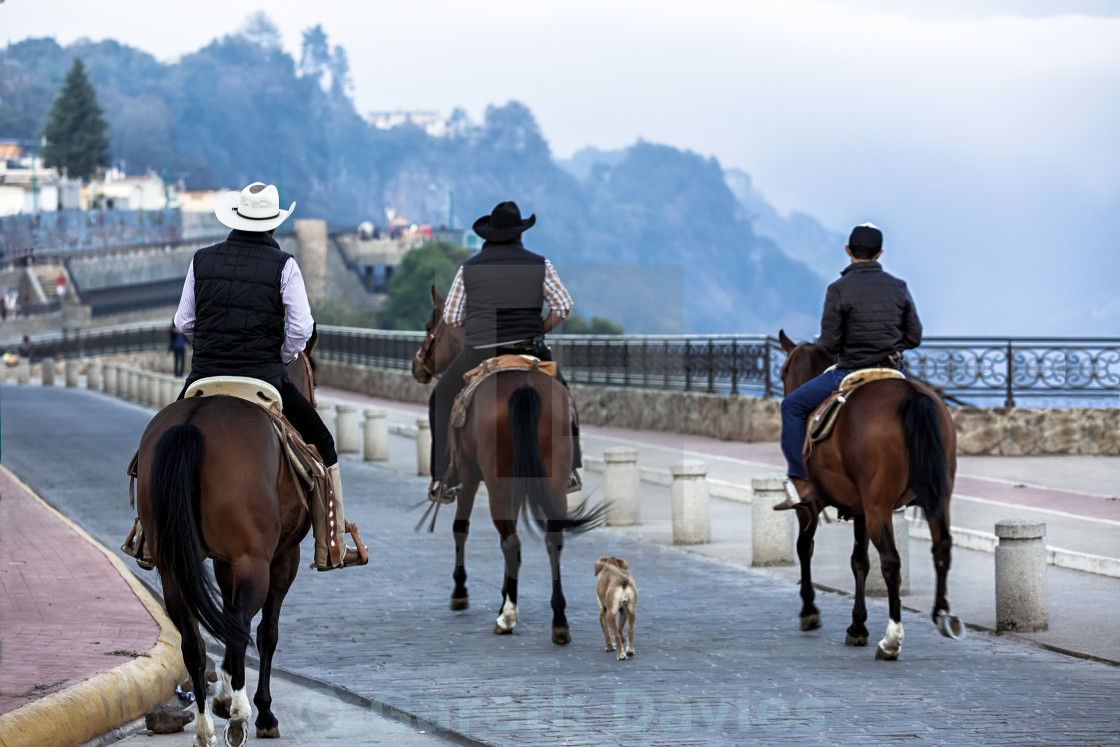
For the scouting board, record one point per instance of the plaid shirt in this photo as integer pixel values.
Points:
(455, 308)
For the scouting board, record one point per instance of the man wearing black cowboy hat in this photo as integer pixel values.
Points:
(497, 297)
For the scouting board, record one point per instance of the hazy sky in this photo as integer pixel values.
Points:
(982, 136)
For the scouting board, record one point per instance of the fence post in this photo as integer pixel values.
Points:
(622, 490)
(876, 586)
(424, 448)
(1010, 399)
(772, 532)
(734, 366)
(347, 424)
(688, 365)
(1021, 575)
(376, 442)
(691, 524)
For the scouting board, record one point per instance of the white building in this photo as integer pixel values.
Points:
(432, 123)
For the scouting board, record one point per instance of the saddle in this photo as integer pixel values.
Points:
(823, 419)
(489, 367)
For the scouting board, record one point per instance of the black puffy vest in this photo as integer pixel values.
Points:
(239, 311)
(504, 284)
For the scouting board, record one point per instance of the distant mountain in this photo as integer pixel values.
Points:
(651, 236)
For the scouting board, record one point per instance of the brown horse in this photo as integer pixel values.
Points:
(893, 445)
(517, 439)
(213, 483)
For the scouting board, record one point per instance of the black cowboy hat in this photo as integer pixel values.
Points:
(503, 223)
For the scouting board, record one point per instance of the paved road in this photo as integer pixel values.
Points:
(719, 660)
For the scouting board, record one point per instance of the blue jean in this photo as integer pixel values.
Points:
(796, 408)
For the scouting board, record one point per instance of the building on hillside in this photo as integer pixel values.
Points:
(26, 186)
(118, 191)
(432, 123)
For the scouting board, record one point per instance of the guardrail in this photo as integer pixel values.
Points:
(983, 370)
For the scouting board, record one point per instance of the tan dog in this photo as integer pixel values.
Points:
(617, 596)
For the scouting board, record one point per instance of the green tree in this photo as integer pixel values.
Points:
(76, 129)
(410, 298)
(577, 325)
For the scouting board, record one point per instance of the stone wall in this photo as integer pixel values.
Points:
(980, 431)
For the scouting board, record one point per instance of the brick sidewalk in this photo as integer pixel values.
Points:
(66, 614)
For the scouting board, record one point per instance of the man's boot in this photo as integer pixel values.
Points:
(798, 493)
(330, 529)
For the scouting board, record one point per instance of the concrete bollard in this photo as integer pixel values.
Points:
(23, 371)
(772, 532)
(1021, 576)
(621, 486)
(72, 373)
(376, 441)
(876, 586)
(326, 412)
(348, 440)
(424, 448)
(93, 374)
(110, 382)
(691, 525)
(132, 383)
(48, 372)
(171, 388)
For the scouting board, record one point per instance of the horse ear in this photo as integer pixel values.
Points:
(787, 344)
(437, 299)
(598, 566)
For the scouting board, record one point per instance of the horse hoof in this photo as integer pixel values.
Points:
(235, 733)
(273, 733)
(460, 604)
(950, 626)
(499, 630)
(811, 622)
(883, 655)
(220, 708)
(561, 636)
(855, 640)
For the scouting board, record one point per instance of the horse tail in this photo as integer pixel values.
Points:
(174, 494)
(530, 478)
(929, 475)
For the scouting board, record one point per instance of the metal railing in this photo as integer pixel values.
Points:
(1001, 371)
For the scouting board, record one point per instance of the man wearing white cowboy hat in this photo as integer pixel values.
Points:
(234, 302)
(507, 286)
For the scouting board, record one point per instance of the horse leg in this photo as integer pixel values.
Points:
(511, 550)
(942, 547)
(281, 575)
(861, 564)
(881, 532)
(807, 529)
(194, 657)
(561, 635)
(461, 527)
(247, 586)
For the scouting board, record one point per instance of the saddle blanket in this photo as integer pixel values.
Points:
(487, 368)
(823, 419)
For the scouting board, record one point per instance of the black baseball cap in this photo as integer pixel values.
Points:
(866, 235)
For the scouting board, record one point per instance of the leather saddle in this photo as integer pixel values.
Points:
(489, 367)
(823, 419)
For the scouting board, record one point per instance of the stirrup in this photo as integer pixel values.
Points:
(793, 500)
(357, 555)
(439, 493)
(135, 547)
(575, 482)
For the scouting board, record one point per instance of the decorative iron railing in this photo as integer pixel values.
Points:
(1000, 371)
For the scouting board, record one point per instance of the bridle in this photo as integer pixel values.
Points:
(424, 354)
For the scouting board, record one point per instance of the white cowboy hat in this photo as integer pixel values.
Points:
(255, 208)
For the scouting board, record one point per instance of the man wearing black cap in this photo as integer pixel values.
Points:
(497, 297)
(869, 319)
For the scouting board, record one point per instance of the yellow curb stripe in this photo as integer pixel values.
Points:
(110, 699)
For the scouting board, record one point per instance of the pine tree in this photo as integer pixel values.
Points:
(76, 129)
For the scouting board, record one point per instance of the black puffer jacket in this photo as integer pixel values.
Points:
(868, 314)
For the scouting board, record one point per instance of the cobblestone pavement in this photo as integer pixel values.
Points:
(719, 657)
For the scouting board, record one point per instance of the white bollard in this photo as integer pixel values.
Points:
(111, 370)
(424, 448)
(621, 486)
(72, 373)
(326, 412)
(23, 371)
(376, 442)
(691, 525)
(93, 374)
(1021, 576)
(772, 532)
(876, 586)
(132, 384)
(348, 440)
(48, 372)
(171, 388)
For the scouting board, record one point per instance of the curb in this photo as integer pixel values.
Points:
(107, 700)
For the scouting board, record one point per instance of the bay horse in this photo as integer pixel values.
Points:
(213, 483)
(893, 445)
(516, 440)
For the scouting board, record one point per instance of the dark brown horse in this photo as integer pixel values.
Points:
(516, 439)
(893, 445)
(213, 483)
